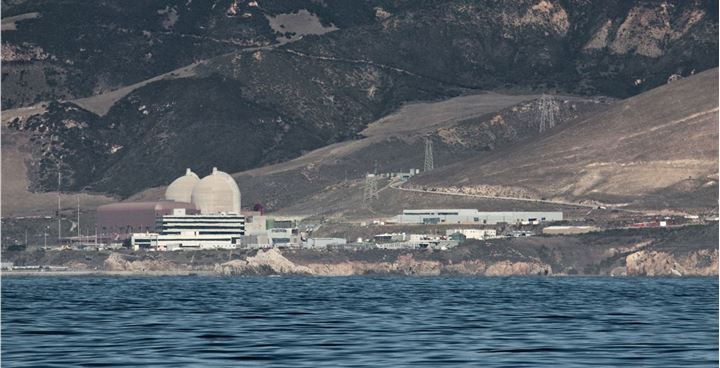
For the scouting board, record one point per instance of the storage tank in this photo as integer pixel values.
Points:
(180, 190)
(216, 193)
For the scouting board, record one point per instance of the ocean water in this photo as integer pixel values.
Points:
(359, 321)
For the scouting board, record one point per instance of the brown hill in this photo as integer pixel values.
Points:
(329, 181)
(657, 150)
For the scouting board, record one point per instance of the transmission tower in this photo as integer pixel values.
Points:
(370, 191)
(548, 106)
(429, 165)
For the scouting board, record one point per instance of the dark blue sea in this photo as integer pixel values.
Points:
(359, 321)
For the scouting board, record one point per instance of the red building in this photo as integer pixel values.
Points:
(119, 220)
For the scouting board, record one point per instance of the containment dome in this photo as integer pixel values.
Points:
(217, 192)
(181, 189)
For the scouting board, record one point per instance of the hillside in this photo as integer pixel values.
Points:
(329, 180)
(72, 49)
(246, 97)
(657, 150)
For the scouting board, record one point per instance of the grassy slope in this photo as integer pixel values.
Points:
(662, 140)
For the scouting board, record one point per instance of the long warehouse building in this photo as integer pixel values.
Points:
(472, 216)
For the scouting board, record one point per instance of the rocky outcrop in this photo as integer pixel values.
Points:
(270, 261)
(121, 262)
(645, 31)
(703, 262)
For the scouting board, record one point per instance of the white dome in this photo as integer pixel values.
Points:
(180, 190)
(215, 193)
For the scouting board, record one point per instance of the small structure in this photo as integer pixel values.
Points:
(390, 238)
(520, 234)
(654, 223)
(323, 242)
(255, 222)
(479, 234)
(403, 176)
(568, 230)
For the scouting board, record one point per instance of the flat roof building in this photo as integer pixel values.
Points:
(180, 231)
(473, 216)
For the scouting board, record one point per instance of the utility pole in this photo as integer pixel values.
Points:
(429, 164)
(78, 215)
(58, 208)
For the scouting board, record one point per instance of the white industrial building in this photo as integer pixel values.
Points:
(472, 216)
(181, 231)
(441, 244)
(479, 234)
(412, 241)
(266, 232)
(316, 243)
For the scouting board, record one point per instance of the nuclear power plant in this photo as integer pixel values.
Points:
(194, 214)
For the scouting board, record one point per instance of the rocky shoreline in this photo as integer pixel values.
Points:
(686, 251)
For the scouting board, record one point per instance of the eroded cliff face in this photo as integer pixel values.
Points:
(405, 264)
(641, 263)
(702, 262)
(121, 262)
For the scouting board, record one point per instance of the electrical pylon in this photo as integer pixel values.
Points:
(548, 107)
(370, 191)
(429, 164)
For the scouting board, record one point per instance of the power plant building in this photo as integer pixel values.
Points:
(196, 214)
(472, 216)
(186, 232)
